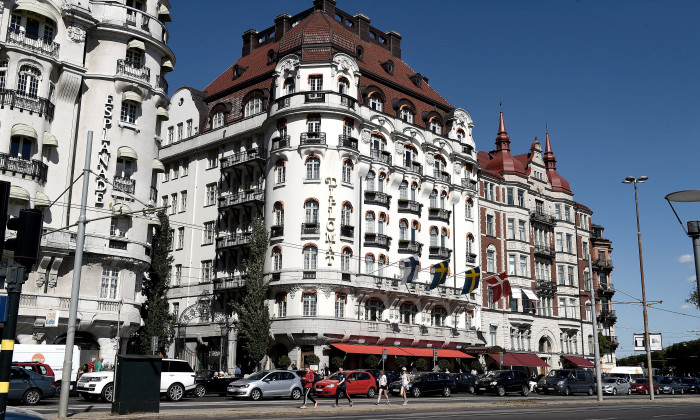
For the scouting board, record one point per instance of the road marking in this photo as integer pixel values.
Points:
(668, 415)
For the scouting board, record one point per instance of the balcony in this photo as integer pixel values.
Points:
(544, 251)
(603, 264)
(613, 341)
(442, 176)
(308, 229)
(606, 289)
(380, 156)
(467, 150)
(41, 46)
(542, 217)
(135, 17)
(281, 143)
(413, 167)
(27, 102)
(229, 283)
(125, 185)
(545, 287)
(410, 247)
(23, 167)
(607, 316)
(441, 215)
(347, 231)
(127, 68)
(378, 198)
(313, 139)
(347, 142)
(246, 156)
(256, 195)
(438, 252)
(162, 84)
(471, 258)
(233, 241)
(469, 184)
(311, 97)
(377, 239)
(276, 231)
(410, 206)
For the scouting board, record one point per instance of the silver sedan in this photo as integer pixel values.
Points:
(616, 386)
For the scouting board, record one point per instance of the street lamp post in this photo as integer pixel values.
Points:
(693, 231)
(650, 374)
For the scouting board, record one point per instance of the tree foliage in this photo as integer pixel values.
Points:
(603, 343)
(678, 359)
(336, 362)
(311, 359)
(372, 361)
(421, 364)
(400, 362)
(253, 313)
(283, 362)
(444, 364)
(155, 311)
(694, 299)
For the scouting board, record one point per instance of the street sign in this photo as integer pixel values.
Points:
(654, 342)
(154, 344)
(52, 318)
(435, 355)
(383, 354)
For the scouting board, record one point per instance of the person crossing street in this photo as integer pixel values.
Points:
(382, 388)
(342, 386)
(308, 387)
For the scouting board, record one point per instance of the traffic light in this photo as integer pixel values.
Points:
(29, 227)
(4, 203)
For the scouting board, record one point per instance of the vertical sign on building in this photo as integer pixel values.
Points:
(330, 225)
(104, 154)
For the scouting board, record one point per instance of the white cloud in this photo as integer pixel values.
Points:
(691, 278)
(685, 258)
(685, 306)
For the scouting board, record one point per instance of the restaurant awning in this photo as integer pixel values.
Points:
(580, 362)
(530, 294)
(453, 353)
(508, 359)
(520, 359)
(364, 349)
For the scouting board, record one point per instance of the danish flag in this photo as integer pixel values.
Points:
(500, 286)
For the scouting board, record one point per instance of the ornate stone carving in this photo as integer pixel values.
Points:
(344, 65)
(429, 159)
(399, 148)
(461, 117)
(366, 135)
(458, 169)
(76, 33)
(289, 64)
(326, 290)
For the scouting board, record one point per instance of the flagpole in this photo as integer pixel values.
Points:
(454, 245)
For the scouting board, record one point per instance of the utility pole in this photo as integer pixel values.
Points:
(75, 289)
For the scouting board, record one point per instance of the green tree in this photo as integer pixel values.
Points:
(311, 359)
(400, 361)
(155, 311)
(421, 364)
(372, 361)
(336, 362)
(283, 362)
(603, 343)
(444, 364)
(694, 299)
(253, 313)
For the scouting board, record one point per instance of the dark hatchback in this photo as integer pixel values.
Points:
(691, 385)
(501, 382)
(427, 383)
(465, 382)
(30, 387)
(208, 382)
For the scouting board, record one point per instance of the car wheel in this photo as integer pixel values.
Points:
(415, 392)
(471, 389)
(296, 393)
(107, 394)
(446, 391)
(566, 391)
(525, 391)
(175, 392)
(371, 392)
(673, 391)
(500, 391)
(590, 391)
(200, 391)
(58, 388)
(31, 396)
(255, 394)
(614, 391)
(646, 391)
(629, 391)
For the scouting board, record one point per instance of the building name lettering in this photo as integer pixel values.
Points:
(330, 224)
(104, 154)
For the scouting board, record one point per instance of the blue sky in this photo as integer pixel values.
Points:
(617, 83)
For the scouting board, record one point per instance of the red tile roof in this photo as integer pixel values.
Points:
(256, 63)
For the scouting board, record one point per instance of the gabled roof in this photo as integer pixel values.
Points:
(255, 64)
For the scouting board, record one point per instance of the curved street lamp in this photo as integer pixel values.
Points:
(689, 196)
(650, 374)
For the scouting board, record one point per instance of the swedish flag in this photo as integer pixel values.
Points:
(471, 280)
(439, 272)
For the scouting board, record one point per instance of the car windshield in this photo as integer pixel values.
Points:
(495, 373)
(559, 374)
(641, 381)
(258, 376)
(688, 380)
(665, 381)
(610, 380)
(417, 378)
(205, 374)
(333, 377)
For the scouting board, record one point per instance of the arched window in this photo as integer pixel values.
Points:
(491, 260)
(340, 300)
(375, 102)
(309, 303)
(468, 205)
(310, 257)
(3, 74)
(460, 135)
(343, 86)
(406, 114)
(281, 304)
(289, 86)
(369, 264)
(281, 172)
(374, 310)
(410, 156)
(403, 190)
(28, 81)
(470, 244)
(278, 214)
(348, 126)
(382, 180)
(277, 259)
(381, 223)
(439, 315)
(311, 208)
(382, 262)
(345, 257)
(408, 313)
(347, 171)
(369, 221)
(378, 144)
(313, 167)
(433, 236)
(433, 199)
(443, 237)
(217, 120)
(370, 181)
(346, 215)
(443, 200)
(435, 126)
(415, 227)
(414, 190)
(438, 166)
(403, 230)
(253, 106)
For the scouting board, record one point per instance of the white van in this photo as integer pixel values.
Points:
(627, 372)
(51, 354)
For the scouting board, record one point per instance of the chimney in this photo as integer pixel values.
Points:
(282, 25)
(250, 41)
(362, 27)
(326, 6)
(394, 43)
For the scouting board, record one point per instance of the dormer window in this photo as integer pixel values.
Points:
(253, 106)
(435, 126)
(271, 56)
(360, 52)
(417, 79)
(238, 71)
(375, 102)
(406, 115)
(217, 120)
(388, 66)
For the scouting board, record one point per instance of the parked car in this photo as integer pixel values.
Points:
(29, 387)
(427, 383)
(359, 382)
(670, 386)
(464, 382)
(390, 376)
(176, 378)
(16, 413)
(691, 385)
(641, 386)
(570, 381)
(268, 383)
(504, 381)
(209, 382)
(614, 385)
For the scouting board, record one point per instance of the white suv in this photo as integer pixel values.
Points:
(176, 377)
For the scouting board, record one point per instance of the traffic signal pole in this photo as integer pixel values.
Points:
(16, 277)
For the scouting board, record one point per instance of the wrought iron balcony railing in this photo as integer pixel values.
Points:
(410, 206)
(313, 138)
(125, 185)
(23, 167)
(439, 214)
(38, 45)
(21, 100)
(379, 198)
(128, 68)
(347, 141)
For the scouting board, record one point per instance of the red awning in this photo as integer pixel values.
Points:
(520, 359)
(453, 353)
(364, 349)
(412, 351)
(579, 362)
(508, 359)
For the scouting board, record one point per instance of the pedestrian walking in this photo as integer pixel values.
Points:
(325, 372)
(342, 386)
(405, 380)
(382, 388)
(308, 387)
(99, 367)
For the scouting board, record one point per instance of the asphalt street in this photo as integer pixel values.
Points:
(456, 406)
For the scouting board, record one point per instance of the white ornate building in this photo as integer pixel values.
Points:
(353, 161)
(66, 68)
